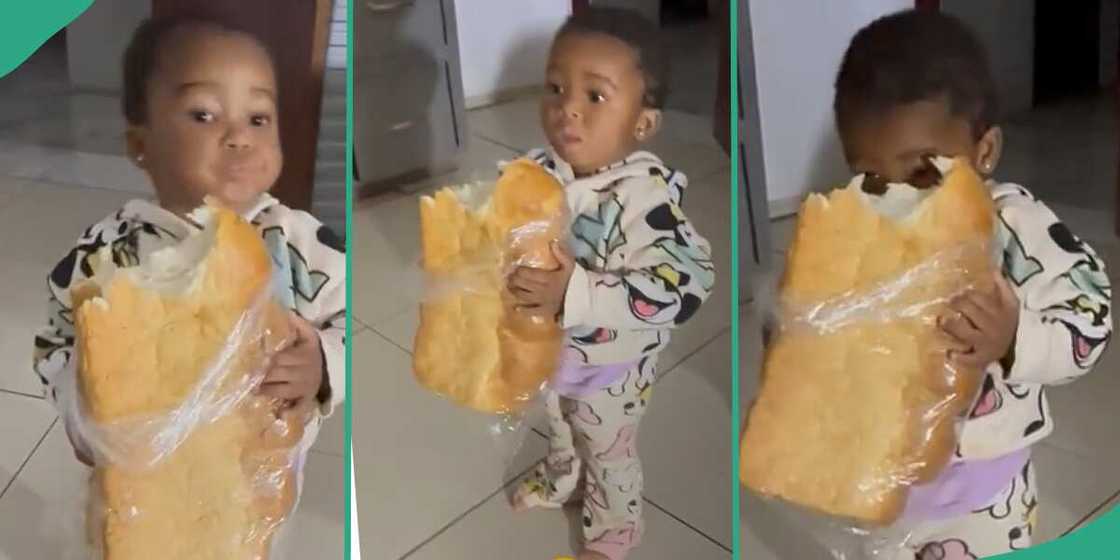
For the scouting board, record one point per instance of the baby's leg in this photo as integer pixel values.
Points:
(607, 437)
(553, 481)
(1005, 526)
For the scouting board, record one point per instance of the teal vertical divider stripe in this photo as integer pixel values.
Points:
(26, 25)
(733, 83)
(349, 420)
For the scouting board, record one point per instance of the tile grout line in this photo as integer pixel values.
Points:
(498, 143)
(22, 394)
(463, 515)
(690, 355)
(685, 523)
(390, 341)
(1081, 522)
(27, 459)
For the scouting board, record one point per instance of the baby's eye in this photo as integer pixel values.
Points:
(926, 175)
(555, 89)
(260, 120)
(202, 116)
(596, 97)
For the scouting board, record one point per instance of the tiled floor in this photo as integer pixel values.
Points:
(51, 188)
(430, 477)
(1078, 478)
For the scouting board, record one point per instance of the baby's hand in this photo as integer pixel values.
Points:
(541, 291)
(982, 325)
(296, 372)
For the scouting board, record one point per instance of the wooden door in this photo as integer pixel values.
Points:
(721, 123)
(296, 32)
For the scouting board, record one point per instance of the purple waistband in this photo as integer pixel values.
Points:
(964, 487)
(576, 379)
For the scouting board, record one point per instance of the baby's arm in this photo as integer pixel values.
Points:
(668, 273)
(53, 359)
(1065, 318)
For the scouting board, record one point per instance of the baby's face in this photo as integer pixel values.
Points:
(897, 145)
(212, 121)
(592, 110)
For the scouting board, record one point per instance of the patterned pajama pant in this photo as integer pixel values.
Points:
(593, 457)
(1003, 527)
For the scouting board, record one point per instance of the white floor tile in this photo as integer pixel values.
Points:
(316, 529)
(42, 513)
(420, 461)
(1106, 507)
(516, 124)
(706, 204)
(386, 256)
(685, 441)
(332, 435)
(781, 233)
(386, 236)
(23, 422)
(95, 170)
(400, 329)
(41, 224)
(493, 531)
(1070, 486)
(768, 533)
(79, 122)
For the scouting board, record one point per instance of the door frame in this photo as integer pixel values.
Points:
(756, 251)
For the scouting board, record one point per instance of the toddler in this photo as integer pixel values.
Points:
(200, 104)
(914, 85)
(636, 268)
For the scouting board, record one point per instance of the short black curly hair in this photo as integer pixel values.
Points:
(911, 56)
(640, 34)
(143, 52)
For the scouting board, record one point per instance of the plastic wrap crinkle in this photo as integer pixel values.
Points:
(190, 463)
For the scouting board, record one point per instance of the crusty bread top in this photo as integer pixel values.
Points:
(139, 347)
(958, 215)
(875, 434)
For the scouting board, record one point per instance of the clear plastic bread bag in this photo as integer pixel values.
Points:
(475, 345)
(189, 462)
(859, 400)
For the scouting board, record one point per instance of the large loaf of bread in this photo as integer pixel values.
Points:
(473, 346)
(856, 402)
(146, 336)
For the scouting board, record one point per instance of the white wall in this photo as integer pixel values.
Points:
(503, 44)
(798, 45)
(1006, 27)
(95, 42)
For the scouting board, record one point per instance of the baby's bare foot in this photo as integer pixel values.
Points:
(518, 502)
(528, 496)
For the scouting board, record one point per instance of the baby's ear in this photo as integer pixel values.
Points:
(135, 140)
(649, 122)
(988, 150)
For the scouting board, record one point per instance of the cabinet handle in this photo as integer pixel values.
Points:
(390, 6)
